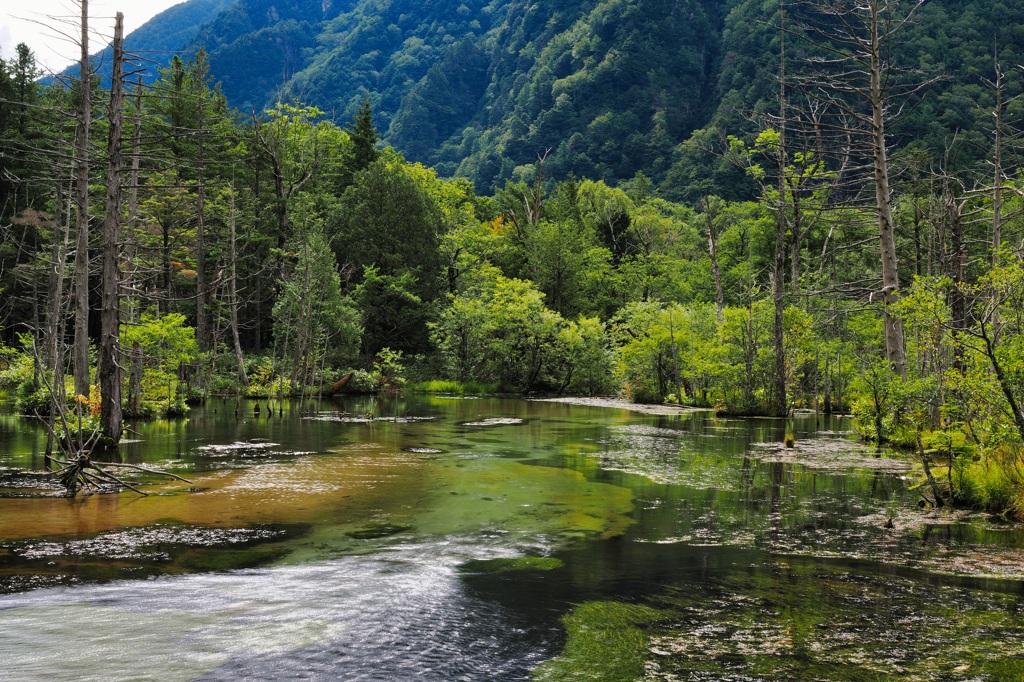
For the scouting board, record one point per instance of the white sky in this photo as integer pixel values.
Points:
(42, 25)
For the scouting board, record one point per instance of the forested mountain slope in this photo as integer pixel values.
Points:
(610, 87)
(482, 87)
(949, 44)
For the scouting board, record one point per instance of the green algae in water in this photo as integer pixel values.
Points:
(375, 531)
(493, 496)
(508, 565)
(524, 501)
(607, 641)
(805, 620)
(230, 559)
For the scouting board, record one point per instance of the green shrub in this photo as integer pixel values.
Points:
(992, 482)
(224, 384)
(16, 368)
(268, 388)
(361, 382)
(388, 372)
(36, 403)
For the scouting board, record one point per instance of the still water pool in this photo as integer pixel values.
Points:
(498, 539)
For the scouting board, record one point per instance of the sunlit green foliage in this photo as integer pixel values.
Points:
(388, 373)
(499, 330)
(453, 387)
(166, 343)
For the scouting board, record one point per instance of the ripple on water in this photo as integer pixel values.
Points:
(401, 614)
(366, 419)
(665, 456)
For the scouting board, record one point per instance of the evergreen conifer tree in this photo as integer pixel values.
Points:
(364, 137)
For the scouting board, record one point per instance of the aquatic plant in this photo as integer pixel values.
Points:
(606, 641)
(510, 564)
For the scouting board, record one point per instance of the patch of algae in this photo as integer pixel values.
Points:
(523, 501)
(808, 621)
(512, 504)
(375, 531)
(508, 565)
(607, 641)
(796, 620)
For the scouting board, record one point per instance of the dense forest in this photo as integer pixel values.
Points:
(844, 233)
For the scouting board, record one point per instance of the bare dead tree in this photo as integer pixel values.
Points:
(779, 406)
(233, 293)
(109, 370)
(81, 280)
(853, 72)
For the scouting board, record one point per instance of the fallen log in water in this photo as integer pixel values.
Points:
(338, 385)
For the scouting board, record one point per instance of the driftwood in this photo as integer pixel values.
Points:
(338, 385)
(77, 471)
(81, 473)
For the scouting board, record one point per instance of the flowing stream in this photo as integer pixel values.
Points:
(494, 539)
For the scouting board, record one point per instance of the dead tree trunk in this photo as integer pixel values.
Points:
(81, 286)
(779, 407)
(55, 312)
(202, 319)
(997, 184)
(895, 352)
(109, 369)
(132, 244)
(955, 259)
(857, 78)
(713, 252)
(135, 381)
(233, 303)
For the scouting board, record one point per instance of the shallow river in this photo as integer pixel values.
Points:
(491, 539)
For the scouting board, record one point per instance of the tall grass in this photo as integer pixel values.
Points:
(993, 483)
(454, 387)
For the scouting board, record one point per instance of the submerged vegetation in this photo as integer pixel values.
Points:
(749, 627)
(525, 563)
(606, 641)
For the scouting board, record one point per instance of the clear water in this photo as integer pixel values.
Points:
(333, 543)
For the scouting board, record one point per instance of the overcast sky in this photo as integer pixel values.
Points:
(41, 23)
